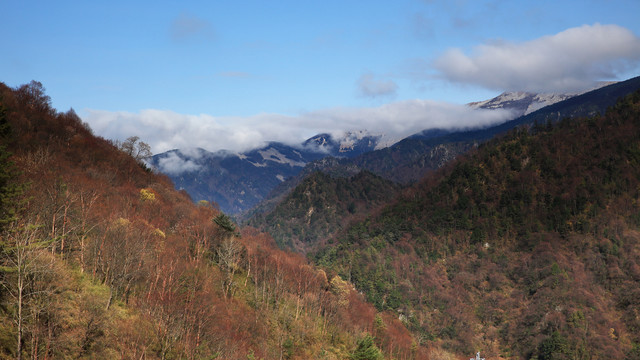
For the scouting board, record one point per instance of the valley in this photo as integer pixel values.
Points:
(521, 240)
(306, 180)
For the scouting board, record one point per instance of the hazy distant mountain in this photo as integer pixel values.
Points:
(238, 181)
(351, 144)
(410, 159)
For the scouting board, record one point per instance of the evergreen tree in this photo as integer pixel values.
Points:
(226, 224)
(366, 350)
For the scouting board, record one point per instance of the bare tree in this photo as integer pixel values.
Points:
(139, 150)
(28, 268)
(229, 258)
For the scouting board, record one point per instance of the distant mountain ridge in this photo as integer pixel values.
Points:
(351, 144)
(411, 159)
(524, 103)
(238, 181)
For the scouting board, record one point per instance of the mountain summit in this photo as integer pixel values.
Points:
(350, 144)
(524, 103)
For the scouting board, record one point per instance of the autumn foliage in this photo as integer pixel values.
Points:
(104, 259)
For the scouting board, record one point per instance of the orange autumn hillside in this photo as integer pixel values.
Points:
(102, 258)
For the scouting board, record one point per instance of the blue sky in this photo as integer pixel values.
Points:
(231, 74)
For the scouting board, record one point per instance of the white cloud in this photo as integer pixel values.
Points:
(568, 61)
(404, 118)
(167, 130)
(174, 164)
(369, 86)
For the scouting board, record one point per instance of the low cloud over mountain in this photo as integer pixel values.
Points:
(165, 130)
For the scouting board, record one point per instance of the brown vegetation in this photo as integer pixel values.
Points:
(104, 259)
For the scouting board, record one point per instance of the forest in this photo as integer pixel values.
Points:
(101, 258)
(328, 204)
(527, 247)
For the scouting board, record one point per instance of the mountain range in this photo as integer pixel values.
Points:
(403, 163)
(526, 247)
(237, 182)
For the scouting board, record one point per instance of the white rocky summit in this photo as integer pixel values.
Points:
(524, 103)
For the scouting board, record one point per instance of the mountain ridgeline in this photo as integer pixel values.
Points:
(528, 247)
(410, 160)
(236, 182)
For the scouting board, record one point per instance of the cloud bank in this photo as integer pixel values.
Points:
(166, 130)
(571, 60)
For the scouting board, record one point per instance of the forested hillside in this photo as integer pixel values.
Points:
(100, 258)
(327, 203)
(528, 247)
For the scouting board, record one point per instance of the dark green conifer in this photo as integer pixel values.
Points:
(366, 350)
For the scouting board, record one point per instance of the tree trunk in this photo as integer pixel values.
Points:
(19, 316)
(110, 298)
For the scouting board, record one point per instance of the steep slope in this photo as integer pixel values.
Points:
(528, 248)
(100, 258)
